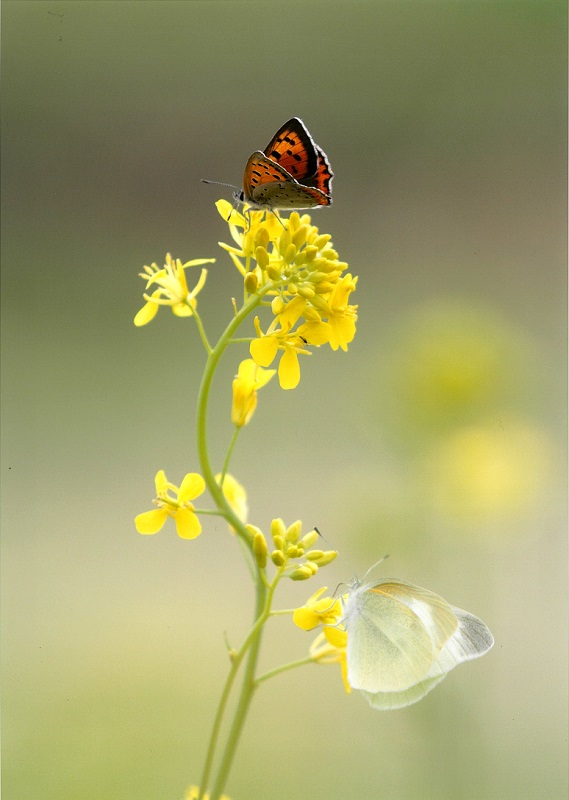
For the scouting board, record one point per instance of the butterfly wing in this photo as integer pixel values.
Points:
(322, 180)
(395, 634)
(293, 148)
(267, 184)
(471, 639)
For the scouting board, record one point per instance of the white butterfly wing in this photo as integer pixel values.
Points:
(389, 701)
(471, 639)
(395, 634)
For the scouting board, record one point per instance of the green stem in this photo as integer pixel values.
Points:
(248, 687)
(253, 640)
(203, 453)
(301, 662)
(252, 643)
(202, 332)
(229, 454)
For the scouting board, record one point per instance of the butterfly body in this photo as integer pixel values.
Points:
(291, 173)
(403, 640)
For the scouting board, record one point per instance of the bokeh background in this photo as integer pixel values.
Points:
(439, 438)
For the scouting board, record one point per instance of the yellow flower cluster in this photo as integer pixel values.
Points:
(290, 261)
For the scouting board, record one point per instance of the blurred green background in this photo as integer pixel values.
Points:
(439, 438)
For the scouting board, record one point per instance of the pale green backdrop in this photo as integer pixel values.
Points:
(439, 438)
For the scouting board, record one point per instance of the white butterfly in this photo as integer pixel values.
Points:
(403, 640)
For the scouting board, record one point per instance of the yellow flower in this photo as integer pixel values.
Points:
(179, 508)
(318, 611)
(330, 646)
(265, 348)
(250, 377)
(341, 316)
(173, 289)
(235, 495)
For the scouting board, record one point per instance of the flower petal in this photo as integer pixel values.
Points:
(192, 486)
(188, 525)
(264, 350)
(161, 483)
(150, 521)
(289, 369)
(146, 314)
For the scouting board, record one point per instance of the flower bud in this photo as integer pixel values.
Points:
(277, 557)
(322, 557)
(262, 257)
(277, 305)
(293, 532)
(284, 242)
(321, 240)
(289, 254)
(251, 282)
(309, 538)
(278, 528)
(263, 238)
(302, 573)
(299, 236)
(260, 549)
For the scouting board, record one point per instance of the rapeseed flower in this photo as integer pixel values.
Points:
(179, 507)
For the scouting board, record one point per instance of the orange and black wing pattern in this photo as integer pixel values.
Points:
(293, 149)
(322, 180)
(292, 172)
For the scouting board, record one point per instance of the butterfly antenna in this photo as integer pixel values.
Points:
(373, 566)
(220, 183)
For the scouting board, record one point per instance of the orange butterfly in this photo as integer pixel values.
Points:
(291, 173)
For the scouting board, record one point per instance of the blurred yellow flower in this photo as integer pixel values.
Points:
(451, 364)
(235, 495)
(173, 288)
(179, 507)
(250, 377)
(483, 472)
